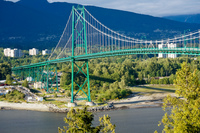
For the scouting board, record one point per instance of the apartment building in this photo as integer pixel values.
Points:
(33, 51)
(13, 52)
(46, 51)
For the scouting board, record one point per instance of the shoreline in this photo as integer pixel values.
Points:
(23, 106)
(133, 101)
(91, 109)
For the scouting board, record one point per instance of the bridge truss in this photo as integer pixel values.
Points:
(85, 38)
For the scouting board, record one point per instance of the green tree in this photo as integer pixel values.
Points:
(140, 76)
(154, 81)
(5, 70)
(185, 113)
(15, 96)
(80, 121)
(25, 84)
(162, 72)
(8, 79)
(65, 79)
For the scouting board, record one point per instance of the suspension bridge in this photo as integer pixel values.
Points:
(85, 38)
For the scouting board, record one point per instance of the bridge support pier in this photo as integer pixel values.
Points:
(79, 40)
(71, 104)
(80, 85)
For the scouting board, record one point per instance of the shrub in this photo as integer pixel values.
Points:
(15, 96)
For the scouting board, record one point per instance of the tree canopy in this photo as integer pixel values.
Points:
(80, 121)
(25, 83)
(185, 108)
(5, 69)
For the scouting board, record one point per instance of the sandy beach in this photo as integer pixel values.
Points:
(24, 106)
(132, 101)
(139, 101)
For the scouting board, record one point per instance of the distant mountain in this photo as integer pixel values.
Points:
(194, 18)
(37, 23)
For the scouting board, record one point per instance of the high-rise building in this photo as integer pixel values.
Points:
(13, 52)
(46, 51)
(7, 52)
(33, 51)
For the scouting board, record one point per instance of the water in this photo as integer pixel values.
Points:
(143, 120)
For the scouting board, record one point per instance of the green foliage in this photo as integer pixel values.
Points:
(26, 59)
(185, 113)
(14, 96)
(8, 79)
(115, 92)
(126, 70)
(80, 121)
(55, 95)
(154, 81)
(25, 84)
(5, 69)
(65, 79)
(167, 80)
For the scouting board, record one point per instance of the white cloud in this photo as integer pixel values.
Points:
(12, 0)
(150, 7)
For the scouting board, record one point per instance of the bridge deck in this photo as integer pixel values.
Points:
(186, 51)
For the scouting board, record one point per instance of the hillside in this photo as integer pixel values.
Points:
(37, 23)
(193, 18)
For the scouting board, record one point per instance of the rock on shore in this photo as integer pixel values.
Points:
(47, 107)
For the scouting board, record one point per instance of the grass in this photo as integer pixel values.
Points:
(2, 99)
(60, 104)
(154, 89)
(142, 90)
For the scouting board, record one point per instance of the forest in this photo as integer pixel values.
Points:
(109, 77)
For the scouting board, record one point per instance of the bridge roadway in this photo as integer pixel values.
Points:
(186, 51)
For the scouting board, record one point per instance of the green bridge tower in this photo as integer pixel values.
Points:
(78, 18)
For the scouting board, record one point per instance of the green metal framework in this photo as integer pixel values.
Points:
(46, 74)
(81, 34)
(46, 71)
(49, 76)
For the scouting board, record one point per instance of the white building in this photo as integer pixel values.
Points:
(33, 51)
(46, 51)
(161, 46)
(172, 46)
(13, 52)
(169, 46)
(7, 52)
(39, 85)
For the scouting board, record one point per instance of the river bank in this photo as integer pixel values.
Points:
(133, 101)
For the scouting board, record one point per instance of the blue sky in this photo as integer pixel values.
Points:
(151, 7)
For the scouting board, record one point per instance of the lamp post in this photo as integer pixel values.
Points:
(185, 37)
